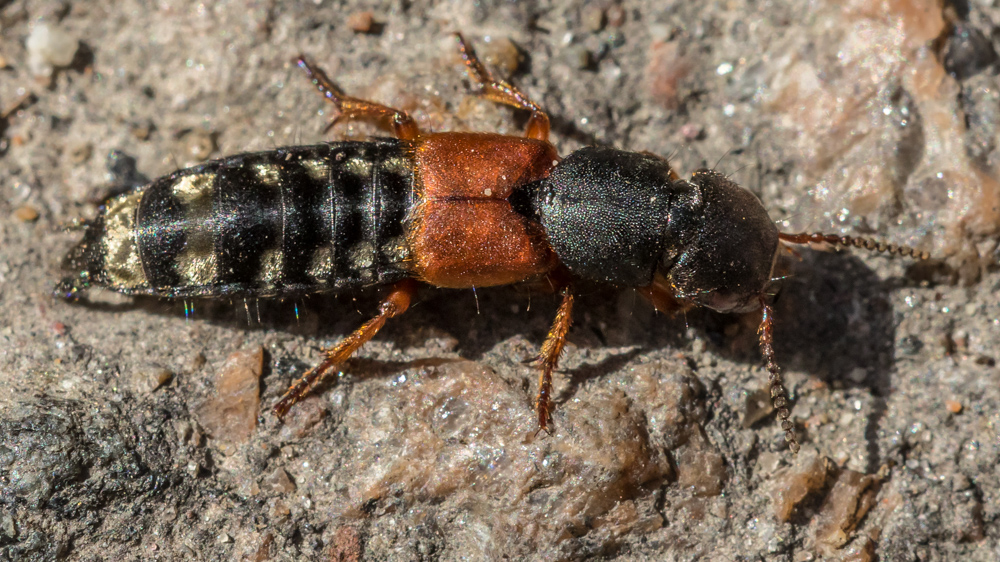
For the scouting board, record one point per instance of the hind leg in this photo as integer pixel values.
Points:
(394, 304)
(353, 108)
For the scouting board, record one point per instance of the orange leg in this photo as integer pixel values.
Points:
(501, 91)
(779, 397)
(353, 108)
(661, 296)
(549, 358)
(396, 303)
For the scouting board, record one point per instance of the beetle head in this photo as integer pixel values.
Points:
(729, 249)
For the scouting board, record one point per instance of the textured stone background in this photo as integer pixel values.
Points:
(129, 432)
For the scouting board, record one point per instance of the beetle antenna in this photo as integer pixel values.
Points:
(855, 241)
(721, 158)
(736, 171)
(779, 397)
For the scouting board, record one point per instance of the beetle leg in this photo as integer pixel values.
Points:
(549, 358)
(662, 297)
(779, 396)
(394, 304)
(501, 91)
(353, 108)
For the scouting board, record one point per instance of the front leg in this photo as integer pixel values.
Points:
(549, 358)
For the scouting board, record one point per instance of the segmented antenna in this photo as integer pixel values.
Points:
(853, 241)
(779, 396)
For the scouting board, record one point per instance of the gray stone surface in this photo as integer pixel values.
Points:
(870, 118)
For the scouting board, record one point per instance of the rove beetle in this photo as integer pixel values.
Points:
(449, 209)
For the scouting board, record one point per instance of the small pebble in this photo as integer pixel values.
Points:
(818, 420)
(967, 52)
(501, 53)
(264, 550)
(49, 47)
(143, 130)
(700, 470)
(846, 419)
(80, 152)
(361, 22)
(666, 71)
(858, 375)
(199, 144)
(615, 15)
(248, 489)
(147, 379)
(692, 131)
(303, 417)
(593, 18)
(807, 477)
(198, 361)
(986, 360)
(26, 213)
(230, 416)
(960, 482)
(578, 57)
(698, 346)
(346, 545)
(953, 406)
(278, 481)
(279, 510)
(768, 462)
(756, 407)
(852, 495)
(8, 526)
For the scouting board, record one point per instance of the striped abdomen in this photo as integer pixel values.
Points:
(290, 221)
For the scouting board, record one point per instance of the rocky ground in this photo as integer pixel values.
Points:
(130, 431)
